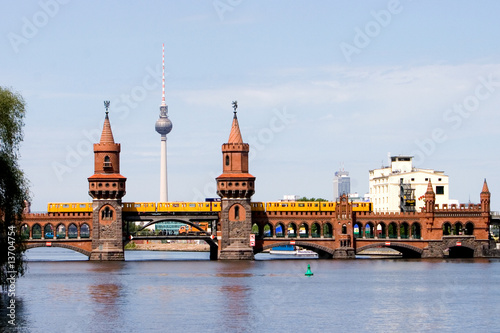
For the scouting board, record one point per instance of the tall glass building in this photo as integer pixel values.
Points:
(341, 184)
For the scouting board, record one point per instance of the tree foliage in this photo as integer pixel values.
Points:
(13, 187)
(311, 199)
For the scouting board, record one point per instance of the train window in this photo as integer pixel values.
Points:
(137, 205)
(65, 206)
(83, 205)
(284, 205)
(175, 205)
(207, 205)
(315, 205)
(192, 205)
(301, 205)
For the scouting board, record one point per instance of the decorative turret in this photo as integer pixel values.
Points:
(235, 186)
(107, 181)
(107, 187)
(430, 198)
(163, 126)
(235, 181)
(485, 198)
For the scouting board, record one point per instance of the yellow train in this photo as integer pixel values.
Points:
(188, 206)
(292, 206)
(314, 206)
(211, 206)
(69, 207)
(139, 207)
(258, 206)
(188, 230)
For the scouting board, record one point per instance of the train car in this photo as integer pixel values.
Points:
(327, 206)
(184, 207)
(216, 206)
(139, 207)
(361, 206)
(293, 206)
(69, 207)
(257, 206)
(188, 230)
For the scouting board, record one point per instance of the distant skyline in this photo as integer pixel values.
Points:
(318, 85)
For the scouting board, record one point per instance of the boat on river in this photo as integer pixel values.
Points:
(292, 250)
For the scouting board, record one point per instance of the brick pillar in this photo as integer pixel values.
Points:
(107, 231)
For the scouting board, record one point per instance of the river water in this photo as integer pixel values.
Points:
(185, 292)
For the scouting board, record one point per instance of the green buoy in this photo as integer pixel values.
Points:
(308, 272)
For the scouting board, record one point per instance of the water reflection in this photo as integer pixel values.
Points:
(261, 296)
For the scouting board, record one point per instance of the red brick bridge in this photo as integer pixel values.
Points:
(101, 234)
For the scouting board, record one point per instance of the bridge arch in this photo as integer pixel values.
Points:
(327, 230)
(381, 230)
(460, 252)
(368, 230)
(322, 251)
(279, 230)
(469, 228)
(268, 230)
(169, 219)
(304, 229)
(416, 230)
(212, 243)
(358, 230)
(315, 230)
(62, 245)
(408, 251)
(291, 230)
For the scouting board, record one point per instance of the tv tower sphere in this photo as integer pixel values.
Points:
(163, 124)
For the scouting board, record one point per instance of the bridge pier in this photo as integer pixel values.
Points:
(344, 253)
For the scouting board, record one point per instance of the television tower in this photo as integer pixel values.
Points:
(163, 126)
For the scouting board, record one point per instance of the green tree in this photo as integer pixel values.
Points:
(13, 187)
(311, 199)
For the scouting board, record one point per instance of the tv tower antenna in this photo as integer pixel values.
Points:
(163, 127)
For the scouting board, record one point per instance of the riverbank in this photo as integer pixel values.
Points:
(171, 247)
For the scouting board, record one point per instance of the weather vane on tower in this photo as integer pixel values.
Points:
(235, 106)
(106, 105)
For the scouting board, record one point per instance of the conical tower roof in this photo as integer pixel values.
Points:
(107, 134)
(485, 187)
(235, 135)
(429, 188)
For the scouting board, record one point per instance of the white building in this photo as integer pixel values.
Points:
(402, 184)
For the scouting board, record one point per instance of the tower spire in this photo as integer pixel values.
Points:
(163, 75)
(235, 134)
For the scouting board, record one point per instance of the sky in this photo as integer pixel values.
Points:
(320, 86)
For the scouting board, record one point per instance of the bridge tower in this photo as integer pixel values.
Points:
(485, 198)
(235, 186)
(107, 187)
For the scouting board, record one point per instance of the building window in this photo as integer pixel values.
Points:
(439, 179)
(107, 214)
(426, 179)
(227, 159)
(413, 179)
(439, 189)
(107, 162)
(236, 212)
